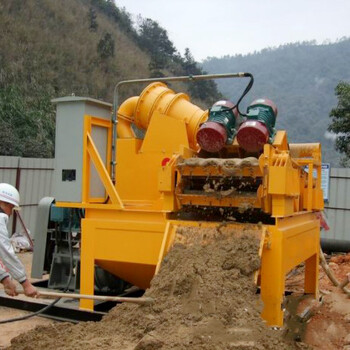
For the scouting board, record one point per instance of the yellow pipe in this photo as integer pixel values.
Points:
(126, 117)
(158, 97)
(124, 129)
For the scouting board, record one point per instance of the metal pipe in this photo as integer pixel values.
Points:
(335, 245)
(25, 231)
(151, 80)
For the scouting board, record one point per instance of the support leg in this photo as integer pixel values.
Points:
(272, 297)
(272, 284)
(87, 266)
(311, 275)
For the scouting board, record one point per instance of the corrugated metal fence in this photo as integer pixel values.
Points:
(338, 208)
(33, 178)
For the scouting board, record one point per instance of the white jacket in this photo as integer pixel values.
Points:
(8, 255)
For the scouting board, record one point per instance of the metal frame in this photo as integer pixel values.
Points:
(130, 241)
(91, 153)
(57, 312)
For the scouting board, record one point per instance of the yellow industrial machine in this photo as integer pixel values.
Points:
(186, 162)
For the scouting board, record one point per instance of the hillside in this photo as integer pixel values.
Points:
(300, 78)
(46, 51)
(54, 48)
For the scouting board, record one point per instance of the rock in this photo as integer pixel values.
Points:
(347, 340)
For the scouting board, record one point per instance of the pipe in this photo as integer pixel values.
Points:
(124, 129)
(126, 118)
(335, 245)
(158, 97)
(25, 231)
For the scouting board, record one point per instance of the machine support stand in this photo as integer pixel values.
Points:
(272, 285)
(272, 312)
(311, 275)
(282, 252)
(87, 271)
(162, 173)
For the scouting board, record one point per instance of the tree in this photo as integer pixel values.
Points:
(205, 90)
(154, 39)
(92, 20)
(105, 46)
(340, 124)
(27, 123)
(189, 64)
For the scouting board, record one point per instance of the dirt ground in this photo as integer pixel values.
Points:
(9, 331)
(205, 300)
(329, 327)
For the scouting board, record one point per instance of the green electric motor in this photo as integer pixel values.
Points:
(220, 128)
(259, 126)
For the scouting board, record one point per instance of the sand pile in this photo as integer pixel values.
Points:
(205, 299)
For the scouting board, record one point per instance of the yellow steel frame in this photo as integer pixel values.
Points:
(129, 235)
(129, 244)
(287, 189)
(310, 155)
(128, 232)
(238, 201)
(91, 154)
(291, 241)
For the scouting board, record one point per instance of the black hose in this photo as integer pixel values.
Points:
(335, 245)
(22, 318)
(47, 307)
(246, 90)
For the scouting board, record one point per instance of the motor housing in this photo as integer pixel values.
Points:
(258, 128)
(220, 128)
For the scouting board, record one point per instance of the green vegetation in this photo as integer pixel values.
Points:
(51, 48)
(27, 126)
(105, 47)
(300, 78)
(154, 40)
(54, 48)
(340, 124)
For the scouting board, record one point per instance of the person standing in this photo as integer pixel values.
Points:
(11, 266)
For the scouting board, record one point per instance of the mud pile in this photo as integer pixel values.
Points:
(228, 166)
(204, 295)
